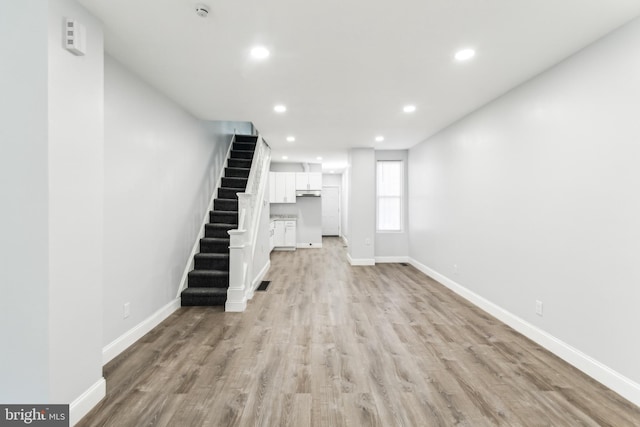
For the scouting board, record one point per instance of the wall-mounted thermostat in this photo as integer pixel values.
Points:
(74, 37)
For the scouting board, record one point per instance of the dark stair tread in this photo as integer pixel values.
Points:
(208, 278)
(235, 178)
(208, 273)
(227, 217)
(203, 297)
(247, 146)
(242, 154)
(214, 245)
(220, 225)
(224, 213)
(246, 138)
(205, 291)
(235, 182)
(218, 229)
(202, 255)
(216, 239)
(230, 192)
(211, 261)
(225, 204)
(239, 163)
(234, 172)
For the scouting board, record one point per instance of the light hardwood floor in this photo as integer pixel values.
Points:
(332, 345)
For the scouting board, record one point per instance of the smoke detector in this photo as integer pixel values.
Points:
(202, 10)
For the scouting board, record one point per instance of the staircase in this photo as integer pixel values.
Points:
(209, 280)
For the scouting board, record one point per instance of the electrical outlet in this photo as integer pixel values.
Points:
(367, 242)
(455, 268)
(126, 310)
(539, 308)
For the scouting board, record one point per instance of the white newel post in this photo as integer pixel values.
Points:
(236, 294)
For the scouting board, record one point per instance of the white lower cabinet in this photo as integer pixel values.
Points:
(278, 234)
(284, 236)
(290, 234)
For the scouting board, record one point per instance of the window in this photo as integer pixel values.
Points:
(389, 177)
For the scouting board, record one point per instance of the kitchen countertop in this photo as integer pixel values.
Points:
(283, 218)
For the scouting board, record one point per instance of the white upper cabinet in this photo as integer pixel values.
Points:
(315, 180)
(284, 187)
(309, 181)
(272, 187)
(301, 181)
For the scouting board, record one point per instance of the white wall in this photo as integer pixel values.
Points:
(51, 170)
(362, 206)
(294, 167)
(535, 197)
(344, 204)
(393, 246)
(161, 167)
(76, 98)
(332, 180)
(24, 247)
(309, 220)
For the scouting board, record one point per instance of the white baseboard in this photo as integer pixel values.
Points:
(344, 239)
(86, 401)
(309, 245)
(121, 343)
(391, 259)
(360, 261)
(284, 248)
(615, 381)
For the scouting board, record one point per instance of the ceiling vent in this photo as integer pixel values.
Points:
(202, 10)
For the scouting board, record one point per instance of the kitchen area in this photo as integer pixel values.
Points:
(295, 191)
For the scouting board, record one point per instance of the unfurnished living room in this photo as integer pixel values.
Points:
(420, 213)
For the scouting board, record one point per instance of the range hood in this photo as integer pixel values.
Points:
(308, 193)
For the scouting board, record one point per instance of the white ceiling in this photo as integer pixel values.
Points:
(345, 68)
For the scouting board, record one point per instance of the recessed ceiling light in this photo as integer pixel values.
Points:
(260, 52)
(285, 157)
(279, 108)
(465, 54)
(379, 138)
(332, 171)
(291, 138)
(318, 158)
(409, 108)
